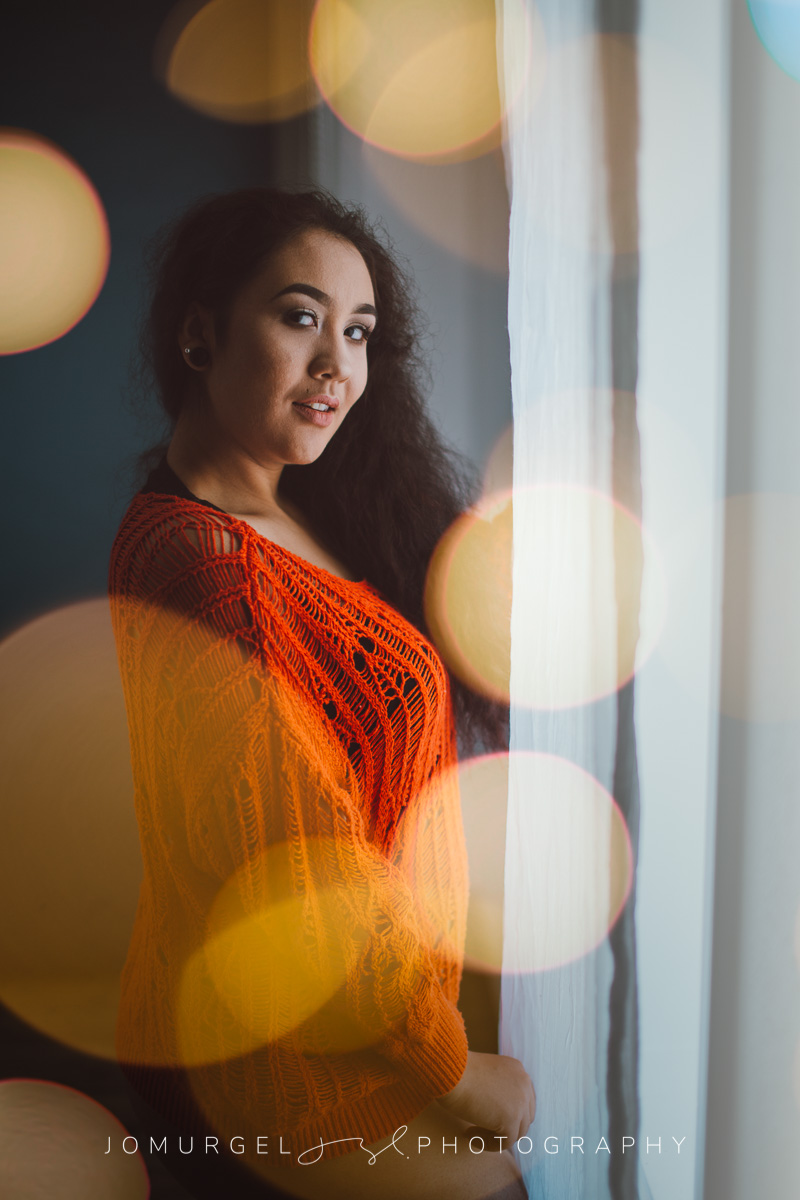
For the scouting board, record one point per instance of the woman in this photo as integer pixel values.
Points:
(295, 963)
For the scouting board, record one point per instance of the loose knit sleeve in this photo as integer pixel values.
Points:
(278, 792)
(273, 816)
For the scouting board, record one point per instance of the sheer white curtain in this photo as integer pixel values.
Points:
(615, 157)
(559, 327)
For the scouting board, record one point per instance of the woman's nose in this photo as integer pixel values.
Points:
(330, 361)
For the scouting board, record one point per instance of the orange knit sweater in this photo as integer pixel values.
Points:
(298, 942)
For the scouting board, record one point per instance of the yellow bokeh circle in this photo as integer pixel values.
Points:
(54, 245)
(415, 78)
(590, 594)
(468, 597)
(498, 474)
(244, 61)
(569, 868)
(546, 888)
(70, 865)
(271, 959)
(462, 206)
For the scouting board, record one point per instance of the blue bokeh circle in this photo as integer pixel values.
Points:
(777, 23)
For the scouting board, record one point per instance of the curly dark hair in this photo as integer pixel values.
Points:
(386, 487)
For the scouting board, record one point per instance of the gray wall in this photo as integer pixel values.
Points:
(754, 1089)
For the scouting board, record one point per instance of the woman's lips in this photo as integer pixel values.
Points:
(315, 415)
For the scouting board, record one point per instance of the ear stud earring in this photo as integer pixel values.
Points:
(198, 356)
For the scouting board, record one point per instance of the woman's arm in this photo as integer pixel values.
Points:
(272, 822)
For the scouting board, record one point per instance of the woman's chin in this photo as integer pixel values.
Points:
(301, 460)
(307, 451)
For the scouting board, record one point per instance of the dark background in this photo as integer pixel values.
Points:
(81, 75)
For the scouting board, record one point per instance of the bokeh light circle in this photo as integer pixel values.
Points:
(70, 865)
(589, 620)
(53, 1142)
(54, 244)
(256, 971)
(244, 61)
(567, 854)
(498, 474)
(777, 23)
(462, 206)
(415, 78)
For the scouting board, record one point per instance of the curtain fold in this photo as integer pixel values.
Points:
(573, 354)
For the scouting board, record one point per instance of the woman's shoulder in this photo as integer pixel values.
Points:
(164, 513)
(163, 536)
(153, 520)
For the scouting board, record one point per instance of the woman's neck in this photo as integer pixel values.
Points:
(230, 479)
(220, 471)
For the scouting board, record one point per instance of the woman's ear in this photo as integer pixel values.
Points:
(196, 337)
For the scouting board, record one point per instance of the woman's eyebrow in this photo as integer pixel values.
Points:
(306, 289)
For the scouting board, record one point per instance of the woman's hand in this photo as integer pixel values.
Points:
(495, 1093)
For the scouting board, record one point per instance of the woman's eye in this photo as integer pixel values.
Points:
(302, 317)
(358, 333)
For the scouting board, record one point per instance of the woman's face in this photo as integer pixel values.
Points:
(293, 361)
